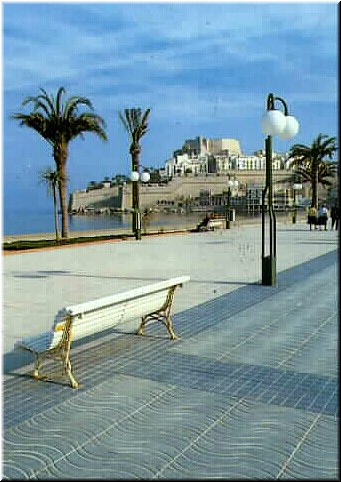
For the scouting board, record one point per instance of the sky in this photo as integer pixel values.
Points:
(204, 69)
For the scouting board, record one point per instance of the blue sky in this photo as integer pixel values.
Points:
(203, 69)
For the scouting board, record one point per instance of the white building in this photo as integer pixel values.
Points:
(202, 155)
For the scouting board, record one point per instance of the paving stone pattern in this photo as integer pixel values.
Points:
(249, 391)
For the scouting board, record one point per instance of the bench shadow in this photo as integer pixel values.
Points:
(44, 274)
(15, 360)
(28, 376)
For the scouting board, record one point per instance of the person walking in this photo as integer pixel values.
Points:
(312, 217)
(323, 217)
(334, 214)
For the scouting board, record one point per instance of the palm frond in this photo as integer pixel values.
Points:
(71, 106)
(49, 177)
(49, 101)
(86, 122)
(60, 92)
(145, 117)
(37, 122)
(126, 121)
(135, 124)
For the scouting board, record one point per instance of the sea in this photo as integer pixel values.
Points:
(38, 220)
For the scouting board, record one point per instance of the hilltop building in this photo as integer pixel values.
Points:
(217, 156)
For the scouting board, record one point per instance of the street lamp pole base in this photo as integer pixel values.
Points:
(269, 270)
(137, 224)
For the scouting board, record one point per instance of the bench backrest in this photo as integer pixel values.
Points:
(98, 315)
(215, 222)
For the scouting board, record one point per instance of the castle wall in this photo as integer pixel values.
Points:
(97, 198)
(152, 195)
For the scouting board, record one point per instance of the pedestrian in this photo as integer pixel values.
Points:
(323, 217)
(312, 217)
(334, 213)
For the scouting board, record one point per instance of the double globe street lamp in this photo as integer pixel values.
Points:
(285, 126)
(135, 177)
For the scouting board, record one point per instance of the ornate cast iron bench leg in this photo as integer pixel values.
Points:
(68, 370)
(60, 352)
(37, 365)
(163, 315)
(65, 346)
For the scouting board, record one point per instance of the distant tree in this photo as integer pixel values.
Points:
(154, 172)
(120, 179)
(155, 176)
(59, 122)
(136, 124)
(50, 178)
(91, 185)
(311, 165)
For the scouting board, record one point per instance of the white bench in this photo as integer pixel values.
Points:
(215, 223)
(211, 224)
(150, 302)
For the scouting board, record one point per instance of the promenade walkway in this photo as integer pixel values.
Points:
(249, 391)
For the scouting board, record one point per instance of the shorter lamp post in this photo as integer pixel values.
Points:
(274, 122)
(296, 187)
(135, 177)
(230, 183)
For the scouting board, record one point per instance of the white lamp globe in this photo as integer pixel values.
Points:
(134, 176)
(273, 122)
(145, 177)
(291, 128)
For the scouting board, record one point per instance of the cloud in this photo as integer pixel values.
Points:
(156, 42)
(203, 68)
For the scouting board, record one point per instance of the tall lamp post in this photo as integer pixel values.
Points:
(230, 183)
(135, 177)
(274, 122)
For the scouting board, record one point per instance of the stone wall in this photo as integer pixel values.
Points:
(179, 187)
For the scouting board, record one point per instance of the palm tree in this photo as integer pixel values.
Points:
(311, 165)
(136, 124)
(59, 122)
(50, 178)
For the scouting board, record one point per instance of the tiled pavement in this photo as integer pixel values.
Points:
(249, 391)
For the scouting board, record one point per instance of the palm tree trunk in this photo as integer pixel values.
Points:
(60, 157)
(314, 194)
(56, 224)
(64, 206)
